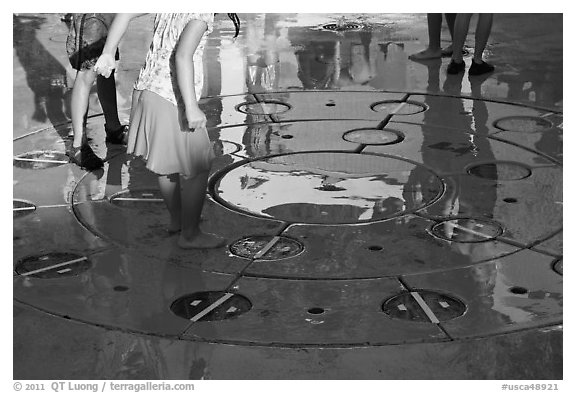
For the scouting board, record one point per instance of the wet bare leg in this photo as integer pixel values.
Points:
(460, 32)
(434, 49)
(193, 194)
(483, 29)
(79, 103)
(450, 21)
(170, 190)
(106, 88)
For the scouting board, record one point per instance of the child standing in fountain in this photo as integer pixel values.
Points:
(167, 127)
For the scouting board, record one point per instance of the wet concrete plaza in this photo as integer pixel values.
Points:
(383, 220)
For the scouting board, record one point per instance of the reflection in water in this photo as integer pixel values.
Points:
(143, 357)
(325, 187)
(466, 196)
(349, 59)
(263, 68)
(45, 76)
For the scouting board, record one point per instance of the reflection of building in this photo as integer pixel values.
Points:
(323, 187)
(353, 58)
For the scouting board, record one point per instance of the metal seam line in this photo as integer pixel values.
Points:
(402, 105)
(16, 209)
(139, 199)
(53, 266)
(469, 230)
(424, 307)
(41, 160)
(211, 307)
(43, 206)
(267, 247)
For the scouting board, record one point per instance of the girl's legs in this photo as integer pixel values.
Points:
(80, 93)
(483, 29)
(193, 193)
(434, 29)
(461, 26)
(107, 96)
(81, 153)
(450, 21)
(170, 190)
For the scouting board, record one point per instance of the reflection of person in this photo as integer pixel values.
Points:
(84, 44)
(448, 153)
(263, 58)
(337, 64)
(45, 75)
(167, 127)
(483, 28)
(434, 50)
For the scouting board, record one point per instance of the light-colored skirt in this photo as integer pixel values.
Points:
(157, 134)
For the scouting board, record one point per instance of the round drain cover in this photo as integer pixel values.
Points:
(342, 26)
(263, 108)
(41, 160)
(325, 187)
(558, 267)
(500, 170)
(373, 136)
(467, 230)
(22, 208)
(397, 107)
(137, 198)
(210, 306)
(423, 306)
(53, 265)
(523, 124)
(255, 247)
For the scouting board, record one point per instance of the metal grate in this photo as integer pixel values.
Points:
(266, 247)
(423, 306)
(210, 306)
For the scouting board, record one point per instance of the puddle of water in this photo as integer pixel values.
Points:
(325, 187)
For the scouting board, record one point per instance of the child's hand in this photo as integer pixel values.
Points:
(105, 64)
(196, 118)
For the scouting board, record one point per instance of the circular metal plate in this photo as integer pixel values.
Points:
(249, 247)
(467, 230)
(324, 187)
(263, 108)
(210, 306)
(137, 198)
(500, 170)
(40, 160)
(22, 208)
(373, 136)
(523, 124)
(397, 107)
(53, 265)
(405, 306)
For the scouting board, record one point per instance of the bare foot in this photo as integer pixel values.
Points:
(426, 54)
(201, 240)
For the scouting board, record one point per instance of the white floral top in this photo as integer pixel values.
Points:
(159, 73)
